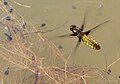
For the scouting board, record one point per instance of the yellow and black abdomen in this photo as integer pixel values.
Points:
(90, 42)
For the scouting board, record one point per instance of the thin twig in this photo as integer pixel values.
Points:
(21, 4)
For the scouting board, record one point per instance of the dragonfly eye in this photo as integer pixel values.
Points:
(72, 27)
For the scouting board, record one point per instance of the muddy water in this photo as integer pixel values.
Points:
(57, 12)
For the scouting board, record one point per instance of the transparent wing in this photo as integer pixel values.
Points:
(39, 31)
(83, 23)
(65, 35)
(90, 31)
(77, 45)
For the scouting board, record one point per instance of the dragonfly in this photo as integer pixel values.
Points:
(80, 34)
(83, 35)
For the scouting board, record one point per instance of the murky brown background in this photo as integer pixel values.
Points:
(56, 12)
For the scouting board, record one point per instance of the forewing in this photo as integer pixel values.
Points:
(65, 35)
(94, 28)
(83, 23)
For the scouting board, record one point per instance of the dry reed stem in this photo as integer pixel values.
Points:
(114, 61)
(21, 4)
(50, 44)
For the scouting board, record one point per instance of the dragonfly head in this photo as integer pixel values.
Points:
(73, 28)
